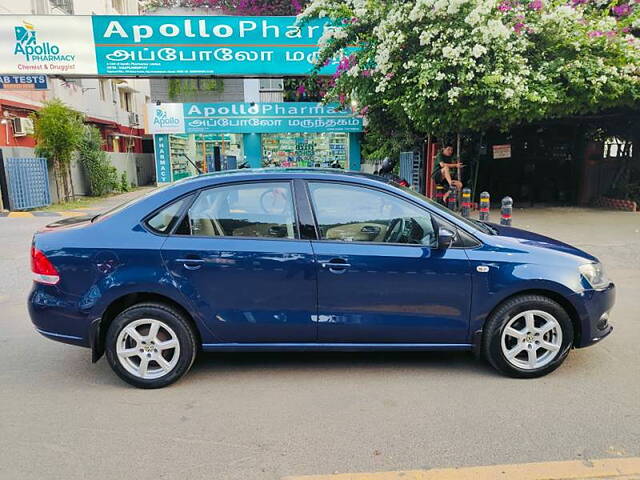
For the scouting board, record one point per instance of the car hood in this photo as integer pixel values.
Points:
(528, 238)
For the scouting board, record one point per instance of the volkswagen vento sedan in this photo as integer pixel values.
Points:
(299, 259)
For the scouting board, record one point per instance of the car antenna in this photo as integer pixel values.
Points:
(192, 163)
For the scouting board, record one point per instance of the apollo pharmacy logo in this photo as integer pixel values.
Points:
(27, 45)
(162, 120)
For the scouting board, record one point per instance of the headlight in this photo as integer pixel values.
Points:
(594, 274)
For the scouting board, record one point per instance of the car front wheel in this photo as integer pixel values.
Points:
(528, 336)
(150, 345)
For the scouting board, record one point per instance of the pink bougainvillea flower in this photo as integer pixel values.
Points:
(575, 3)
(621, 10)
(296, 6)
(366, 73)
(342, 98)
(300, 90)
(518, 27)
(364, 110)
(611, 33)
(390, 75)
(536, 5)
(595, 33)
(505, 6)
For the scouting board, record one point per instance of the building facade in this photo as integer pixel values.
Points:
(115, 106)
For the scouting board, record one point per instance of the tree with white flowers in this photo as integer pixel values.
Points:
(458, 65)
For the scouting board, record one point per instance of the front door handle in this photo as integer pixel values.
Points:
(191, 263)
(336, 265)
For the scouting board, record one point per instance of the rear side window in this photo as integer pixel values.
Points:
(162, 221)
(248, 210)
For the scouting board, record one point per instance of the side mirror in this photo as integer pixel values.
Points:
(445, 237)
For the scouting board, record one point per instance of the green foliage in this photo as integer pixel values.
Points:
(472, 65)
(388, 134)
(124, 183)
(102, 176)
(58, 130)
(185, 88)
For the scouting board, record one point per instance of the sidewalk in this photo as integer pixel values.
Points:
(100, 205)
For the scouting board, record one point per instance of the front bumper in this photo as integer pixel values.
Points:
(593, 308)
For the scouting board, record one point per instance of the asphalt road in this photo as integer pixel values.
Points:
(264, 416)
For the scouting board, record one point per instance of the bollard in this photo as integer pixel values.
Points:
(440, 194)
(452, 199)
(466, 202)
(506, 210)
(484, 207)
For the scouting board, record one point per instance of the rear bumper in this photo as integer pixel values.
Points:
(58, 318)
(594, 307)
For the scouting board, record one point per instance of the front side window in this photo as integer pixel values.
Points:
(249, 210)
(356, 214)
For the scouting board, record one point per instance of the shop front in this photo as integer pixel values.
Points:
(223, 136)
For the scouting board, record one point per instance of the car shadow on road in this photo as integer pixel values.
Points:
(440, 362)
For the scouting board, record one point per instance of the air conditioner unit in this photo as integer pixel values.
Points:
(134, 118)
(22, 126)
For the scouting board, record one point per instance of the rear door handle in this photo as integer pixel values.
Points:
(191, 263)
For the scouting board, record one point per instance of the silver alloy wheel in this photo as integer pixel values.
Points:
(531, 339)
(148, 348)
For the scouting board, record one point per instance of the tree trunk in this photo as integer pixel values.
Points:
(56, 177)
(65, 183)
(73, 193)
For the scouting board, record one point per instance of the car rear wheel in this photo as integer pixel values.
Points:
(150, 345)
(528, 336)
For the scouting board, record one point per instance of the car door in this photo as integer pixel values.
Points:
(237, 255)
(381, 277)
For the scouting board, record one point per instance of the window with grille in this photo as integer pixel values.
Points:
(118, 6)
(65, 5)
(271, 84)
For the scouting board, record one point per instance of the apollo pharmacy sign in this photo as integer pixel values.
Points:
(149, 45)
(271, 117)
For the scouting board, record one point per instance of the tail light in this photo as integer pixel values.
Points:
(42, 269)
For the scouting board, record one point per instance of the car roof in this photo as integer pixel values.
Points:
(291, 172)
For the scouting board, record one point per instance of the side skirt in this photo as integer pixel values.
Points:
(335, 347)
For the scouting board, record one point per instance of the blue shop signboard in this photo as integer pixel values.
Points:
(163, 164)
(23, 82)
(147, 45)
(274, 117)
(207, 45)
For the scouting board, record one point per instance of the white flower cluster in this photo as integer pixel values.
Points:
(480, 52)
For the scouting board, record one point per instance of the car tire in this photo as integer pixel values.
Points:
(150, 345)
(527, 336)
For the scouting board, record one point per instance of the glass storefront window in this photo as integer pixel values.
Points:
(201, 148)
(229, 146)
(305, 150)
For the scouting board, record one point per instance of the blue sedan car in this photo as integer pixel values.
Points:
(302, 259)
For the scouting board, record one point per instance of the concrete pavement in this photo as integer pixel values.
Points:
(270, 415)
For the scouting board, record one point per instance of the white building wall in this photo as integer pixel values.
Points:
(85, 95)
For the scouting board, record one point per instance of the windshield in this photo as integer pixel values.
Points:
(474, 224)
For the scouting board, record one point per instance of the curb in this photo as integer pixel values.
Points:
(35, 214)
(608, 468)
